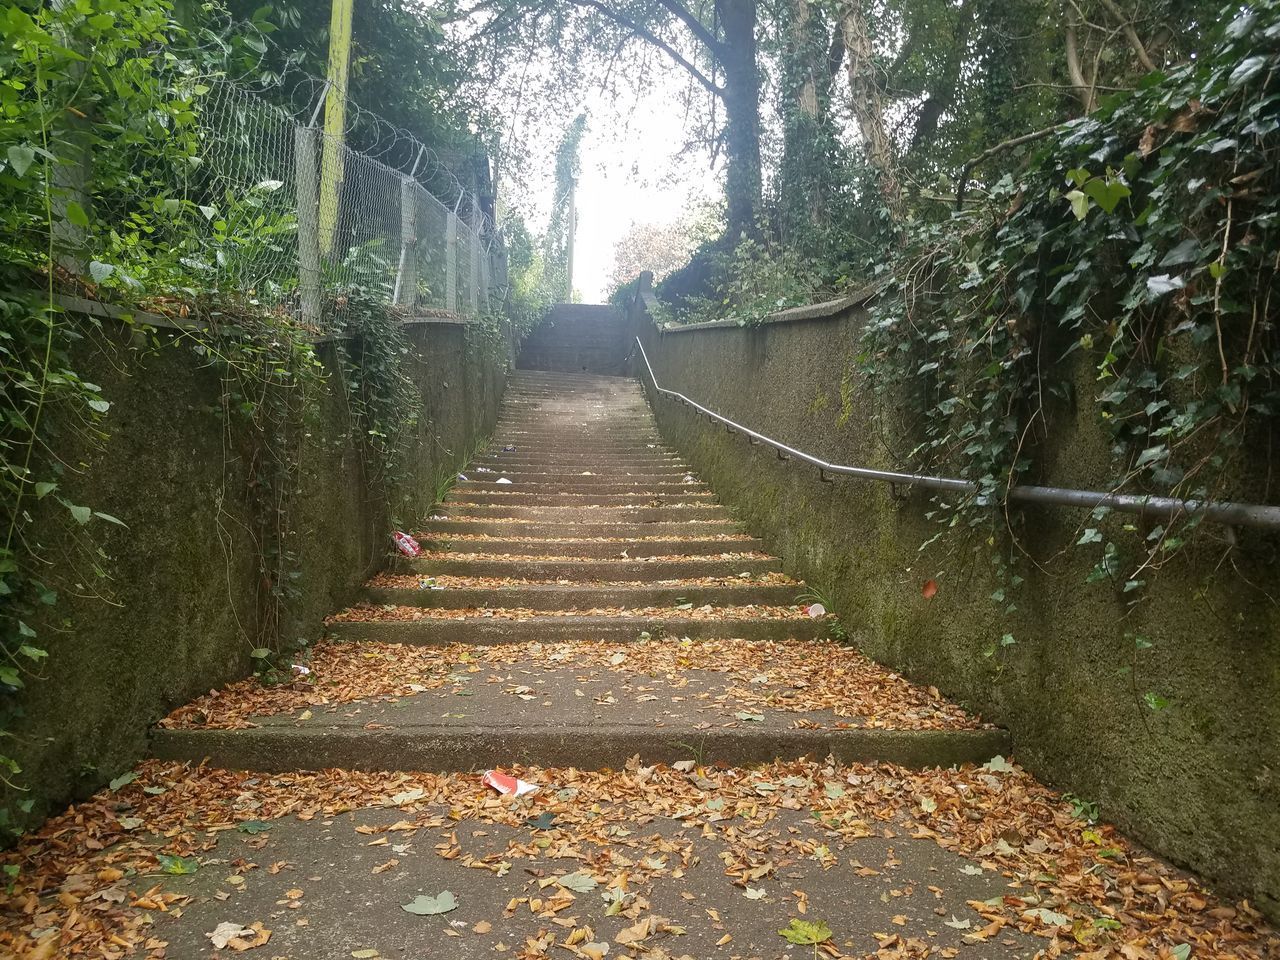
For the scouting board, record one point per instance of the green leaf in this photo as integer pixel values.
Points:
(32, 653)
(20, 157)
(122, 781)
(100, 406)
(260, 653)
(76, 214)
(1079, 203)
(998, 764)
(1107, 193)
(44, 488)
(253, 827)
(425, 906)
(1155, 702)
(1181, 952)
(579, 882)
(751, 717)
(109, 518)
(177, 866)
(100, 271)
(805, 932)
(82, 515)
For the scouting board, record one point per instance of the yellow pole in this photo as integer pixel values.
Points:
(335, 120)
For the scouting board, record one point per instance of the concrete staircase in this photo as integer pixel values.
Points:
(576, 529)
(578, 338)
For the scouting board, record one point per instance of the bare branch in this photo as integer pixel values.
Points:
(1130, 34)
(652, 38)
(696, 26)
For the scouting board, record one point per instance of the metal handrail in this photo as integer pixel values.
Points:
(1219, 511)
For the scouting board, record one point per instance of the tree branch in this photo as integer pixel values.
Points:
(992, 151)
(1130, 34)
(696, 26)
(652, 38)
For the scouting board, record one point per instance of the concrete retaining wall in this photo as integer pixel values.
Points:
(1199, 781)
(181, 610)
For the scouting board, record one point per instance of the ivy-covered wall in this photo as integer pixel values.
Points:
(181, 608)
(1164, 712)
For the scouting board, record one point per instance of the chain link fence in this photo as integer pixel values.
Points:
(319, 218)
(269, 208)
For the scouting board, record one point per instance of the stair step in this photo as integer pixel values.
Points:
(579, 514)
(482, 630)
(570, 531)
(280, 748)
(513, 496)
(593, 570)
(579, 484)
(635, 547)
(557, 596)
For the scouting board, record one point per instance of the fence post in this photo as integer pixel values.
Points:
(406, 291)
(451, 262)
(304, 153)
(486, 282)
(475, 256)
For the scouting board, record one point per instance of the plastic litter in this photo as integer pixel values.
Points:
(509, 448)
(462, 476)
(508, 785)
(816, 610)
(502, 480)
(406, 544)
(300, 671)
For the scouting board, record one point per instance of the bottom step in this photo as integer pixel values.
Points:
(278, 749)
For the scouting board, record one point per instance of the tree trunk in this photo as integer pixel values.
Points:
(803, 175)
(868, 105)
(737, 56)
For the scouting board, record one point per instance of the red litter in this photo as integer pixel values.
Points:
(508, 785)
(406, 544)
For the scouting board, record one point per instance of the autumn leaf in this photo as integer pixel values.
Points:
(929, 590)
(177, 865)
(805, 932)
(578, 882)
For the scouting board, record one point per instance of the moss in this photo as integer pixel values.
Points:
(1074, 716)
(183, 610)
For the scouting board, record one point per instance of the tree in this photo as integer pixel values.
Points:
(659, 248)
(714, 45)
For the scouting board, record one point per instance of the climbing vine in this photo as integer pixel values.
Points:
(1130, 265)
(101, 155)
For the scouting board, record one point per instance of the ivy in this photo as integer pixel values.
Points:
(1138, 243)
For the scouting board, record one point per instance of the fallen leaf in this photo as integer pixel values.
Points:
(425, 906)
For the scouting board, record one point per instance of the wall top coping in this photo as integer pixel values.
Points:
(96, 308)
(826, 310)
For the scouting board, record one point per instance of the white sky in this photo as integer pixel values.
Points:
(633, 169)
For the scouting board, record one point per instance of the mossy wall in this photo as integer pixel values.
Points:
(180, 611)
(1198, 782)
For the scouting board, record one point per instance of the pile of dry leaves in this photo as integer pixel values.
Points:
(90, 882)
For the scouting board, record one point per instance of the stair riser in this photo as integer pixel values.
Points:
(490, 631)
(586, 515)
(434, 529)
(460, 549)
(588, 597)
(605, 487)
(545, 498)
(586, 570)
(450, 750)
(591, 479)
